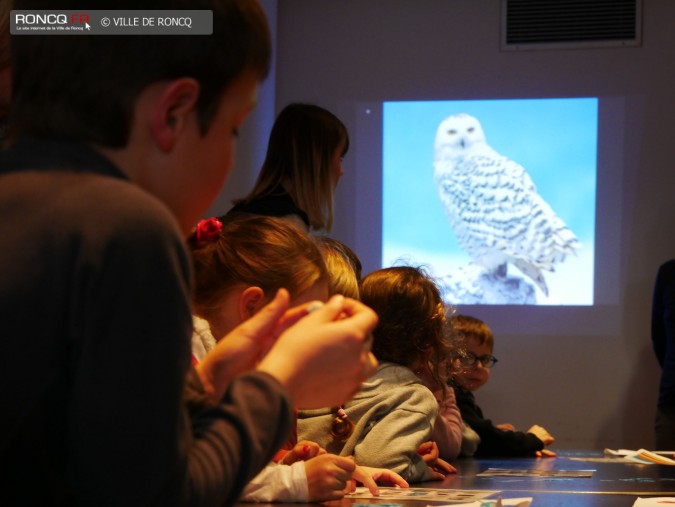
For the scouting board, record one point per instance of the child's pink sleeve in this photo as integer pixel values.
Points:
(447, 431)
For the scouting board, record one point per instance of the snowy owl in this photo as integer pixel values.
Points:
(493, 205)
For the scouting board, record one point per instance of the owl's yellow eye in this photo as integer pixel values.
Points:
(452, 132)
(470, 129)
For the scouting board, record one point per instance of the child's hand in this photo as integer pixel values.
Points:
(506, 427)
(239, 350)
(545, 453)
(541, 434)
(370, 477)
(325, 356)
(329, 477)
(302, 451)
(429, 452)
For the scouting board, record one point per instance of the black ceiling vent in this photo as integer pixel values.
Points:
(560, 24)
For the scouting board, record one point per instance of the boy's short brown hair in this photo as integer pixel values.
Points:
(85, 87)
(465, 327)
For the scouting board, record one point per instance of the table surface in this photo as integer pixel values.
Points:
(612, 484)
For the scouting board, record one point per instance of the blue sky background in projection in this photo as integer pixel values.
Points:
(555, 140)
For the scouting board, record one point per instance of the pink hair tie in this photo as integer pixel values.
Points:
(208, 229)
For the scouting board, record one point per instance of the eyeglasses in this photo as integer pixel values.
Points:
(469, 360)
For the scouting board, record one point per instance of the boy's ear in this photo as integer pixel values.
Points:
(171, 111)
(250, 301)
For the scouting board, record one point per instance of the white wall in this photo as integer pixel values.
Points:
(589, 390)
(252, 141)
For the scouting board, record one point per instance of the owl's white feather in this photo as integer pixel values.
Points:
(493, 206)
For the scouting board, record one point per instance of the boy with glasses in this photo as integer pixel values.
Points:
(470, 370)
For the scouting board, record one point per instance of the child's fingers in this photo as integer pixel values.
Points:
(446, 467)
(309, 449)
(432, 453)
(323, 361)
(350, 487)
(390, 477)
(424, 448)
(435, 476)
(346, 463)
(336, 308)
(393, 478)
(294, 314)
(367, 480)
(339, 307)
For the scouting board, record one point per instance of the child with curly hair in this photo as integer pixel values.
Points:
(393, 414)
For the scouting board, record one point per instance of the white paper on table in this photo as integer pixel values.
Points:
(499, 502)
(655, 501)
(643, 456)
(425, 494)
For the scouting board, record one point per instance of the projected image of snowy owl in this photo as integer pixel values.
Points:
(493, 206)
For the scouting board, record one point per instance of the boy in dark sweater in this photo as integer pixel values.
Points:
(470, 371)
(119, 144)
